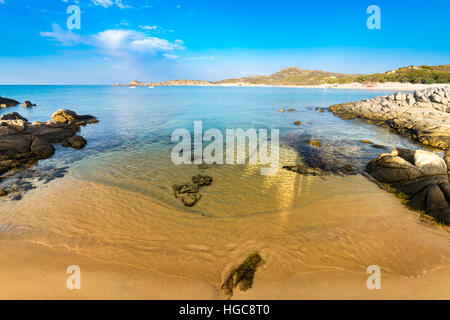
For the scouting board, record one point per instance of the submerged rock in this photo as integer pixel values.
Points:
(423, 116)
(242, 275)
(188, 193)
(297, 123)
(420, 175)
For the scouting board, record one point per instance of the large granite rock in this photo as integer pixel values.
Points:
(23, 143)
(420, 175)
(70, 117)
(423, 116)
(6, 103)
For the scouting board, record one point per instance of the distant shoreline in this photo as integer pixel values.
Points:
(395, 86)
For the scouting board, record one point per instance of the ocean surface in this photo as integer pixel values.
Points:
(115, 202)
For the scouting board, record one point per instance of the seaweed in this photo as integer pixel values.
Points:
(242, 275)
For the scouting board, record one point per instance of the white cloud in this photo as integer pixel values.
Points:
(64, 37)
(110, 3)
(146, 27)
(118, 43)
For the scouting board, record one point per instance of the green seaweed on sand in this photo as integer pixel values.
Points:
(242, 275)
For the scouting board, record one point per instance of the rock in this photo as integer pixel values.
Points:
(422, 117)
(291, 110)
(18, 125)
(348, 167)
(6, 103)
(3, 193)
(13, 116)
(22, 143)
(307, 171)
(420, 175)
(77, 142)
(189, 192)
(190, 199)
(315, 143)
(28, 104)
(70, 117)
(64, 116)
(366, 141)
(202, 180)
(297, 123)
(42, 148)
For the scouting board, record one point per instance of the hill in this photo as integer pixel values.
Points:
(293, 76)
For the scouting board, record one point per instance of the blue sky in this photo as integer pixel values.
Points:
(154, 40)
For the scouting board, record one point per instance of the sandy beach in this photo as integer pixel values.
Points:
(312, 252)
(394, 86)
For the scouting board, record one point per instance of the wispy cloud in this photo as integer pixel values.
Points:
(146, 27)
(110, 3)
(64, 37)
(118, 43)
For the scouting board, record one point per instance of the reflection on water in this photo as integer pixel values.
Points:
(116, 203)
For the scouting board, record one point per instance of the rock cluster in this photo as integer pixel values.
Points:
(188, 193)
(23, 143)
(420, 175)
(423, 116)
(28, 104)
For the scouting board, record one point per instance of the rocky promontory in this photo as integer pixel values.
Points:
(423, 115)
(23, 143)
(6, 103)
(422, 176)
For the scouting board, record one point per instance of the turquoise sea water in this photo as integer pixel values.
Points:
(130, 146)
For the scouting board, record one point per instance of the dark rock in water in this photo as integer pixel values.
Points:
(190, 199)
(297, 123)
(378, 146)
(422, 116)
(202, 180)
(3, 193)
(6, 103)
(242, 275)
(68, 116)
(42, 148)
(22, 143)
(366, 141)
(320, 109)
(420, 175)
(291, 110)
(77, 142)
(306, 170)
(333, 156)
(28, 104)
(348, 167)
(188, 193)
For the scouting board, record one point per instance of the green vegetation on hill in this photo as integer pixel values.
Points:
(291, 76)
(412, 74)
(295, 76)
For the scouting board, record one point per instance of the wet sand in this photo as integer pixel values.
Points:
(132, 246)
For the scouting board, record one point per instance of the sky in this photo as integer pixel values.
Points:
(157, 40)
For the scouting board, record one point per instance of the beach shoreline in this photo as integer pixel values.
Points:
(394, 86)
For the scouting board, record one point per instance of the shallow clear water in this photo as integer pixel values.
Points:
(130, 146)
(116, 204)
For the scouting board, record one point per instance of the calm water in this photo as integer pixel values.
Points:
(130, 147)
